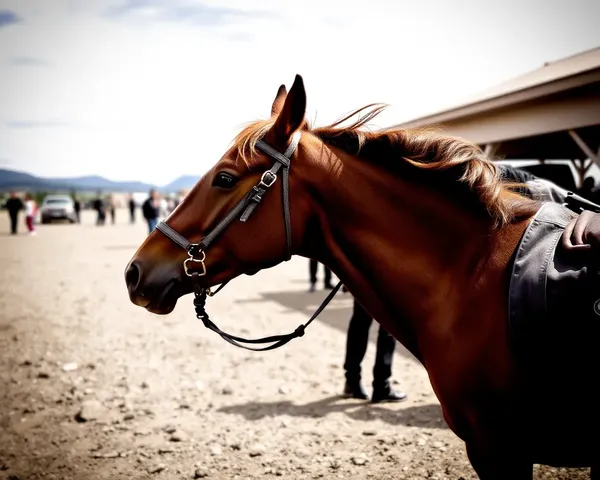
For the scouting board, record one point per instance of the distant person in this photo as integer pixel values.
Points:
(14, 205)
(113, 209)
(131, 209)
(100, 210)
(313, 264)
(151, 210)
(30, 213)
(77, 207)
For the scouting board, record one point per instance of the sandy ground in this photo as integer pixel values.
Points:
(92, 387)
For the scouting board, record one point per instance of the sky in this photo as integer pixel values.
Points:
(153, 89)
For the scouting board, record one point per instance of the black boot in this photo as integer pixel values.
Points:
(355, 390)
(387, 394)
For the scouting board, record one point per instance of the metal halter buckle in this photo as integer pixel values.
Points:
(196, 260)
(268, 178)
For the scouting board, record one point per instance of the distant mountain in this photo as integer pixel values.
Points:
(11, 179)
(181, 183)
(14, 179)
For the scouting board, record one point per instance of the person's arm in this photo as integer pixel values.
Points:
(547, 191)
(514, 175)
(510, 174)
(537, 188)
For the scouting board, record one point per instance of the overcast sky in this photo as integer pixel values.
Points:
(153, 89)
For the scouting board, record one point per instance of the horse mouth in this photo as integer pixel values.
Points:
(166, 301)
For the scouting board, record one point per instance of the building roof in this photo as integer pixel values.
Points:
(550, 71)
(575, 71)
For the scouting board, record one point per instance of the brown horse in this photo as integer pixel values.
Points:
(422, 231)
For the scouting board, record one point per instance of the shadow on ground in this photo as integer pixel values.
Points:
(426, 416)
(336, 315)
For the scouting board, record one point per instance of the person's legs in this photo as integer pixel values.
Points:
(29, 223)
(152, 222)
(14, 220)
(356, 347)
(327, 285)
(382, 370)
(312, 265)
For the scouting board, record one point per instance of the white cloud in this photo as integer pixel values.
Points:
(155, 92)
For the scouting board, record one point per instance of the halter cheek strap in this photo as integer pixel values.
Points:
(281, 161)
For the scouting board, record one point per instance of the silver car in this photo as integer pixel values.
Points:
(58, 207)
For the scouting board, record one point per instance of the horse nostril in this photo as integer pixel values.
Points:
(132, 276)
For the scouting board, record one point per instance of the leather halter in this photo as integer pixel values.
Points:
(244, 209)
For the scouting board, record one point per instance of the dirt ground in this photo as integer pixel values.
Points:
(92, 387)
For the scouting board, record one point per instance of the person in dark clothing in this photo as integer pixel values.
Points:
(131, 209)
(14, 205)
(113, 209)
(150, 210)
(100, 210)
(77, 208)
(313, 276)
(356, 347)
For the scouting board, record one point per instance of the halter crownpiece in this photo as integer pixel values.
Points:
(244, 209)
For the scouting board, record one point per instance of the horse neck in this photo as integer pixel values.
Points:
(406, 253)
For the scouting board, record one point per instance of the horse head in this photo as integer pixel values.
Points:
(245, 214)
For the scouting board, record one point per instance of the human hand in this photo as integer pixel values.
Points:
(583, 232)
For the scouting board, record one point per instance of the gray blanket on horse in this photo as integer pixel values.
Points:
(554, 292)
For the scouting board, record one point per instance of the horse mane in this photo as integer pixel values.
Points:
(458, 167)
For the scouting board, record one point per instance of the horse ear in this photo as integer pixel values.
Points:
(278, 102)
(292, 113)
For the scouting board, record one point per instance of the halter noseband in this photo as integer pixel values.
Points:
(244, 209)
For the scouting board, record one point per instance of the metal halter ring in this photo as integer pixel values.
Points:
(196, 260)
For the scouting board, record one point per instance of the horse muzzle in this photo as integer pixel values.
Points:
(157, 293)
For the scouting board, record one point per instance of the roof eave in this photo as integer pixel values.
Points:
(520, 96)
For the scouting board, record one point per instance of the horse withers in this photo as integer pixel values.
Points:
(427, 237)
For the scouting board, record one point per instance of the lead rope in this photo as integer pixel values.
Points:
(200, 295)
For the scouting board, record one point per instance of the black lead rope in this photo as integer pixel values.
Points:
(276, 341)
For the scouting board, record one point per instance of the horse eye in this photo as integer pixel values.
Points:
(224, 180)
